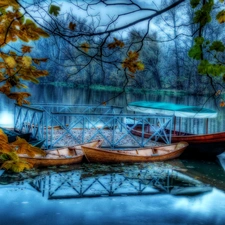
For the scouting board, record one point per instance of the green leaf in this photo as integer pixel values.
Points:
(54, 9)
(213, 69)
(4, 157)
(202, 16)
(199, 40)
(202, 67)
(195, 52)
(30, 22)
(194, 3)
(217, 46)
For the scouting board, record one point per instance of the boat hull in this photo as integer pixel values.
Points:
(101, 155)
(60, 156)
(200, 146)
(39, 162)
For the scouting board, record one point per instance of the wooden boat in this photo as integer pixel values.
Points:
(150, 154)
(200, 145)
(61, 156)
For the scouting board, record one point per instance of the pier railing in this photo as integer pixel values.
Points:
(63, 125)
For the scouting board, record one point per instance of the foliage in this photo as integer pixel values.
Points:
(9, 153)
(116, 43)
(17, 67)
(132, 63)
(209, 53)
(54, 9)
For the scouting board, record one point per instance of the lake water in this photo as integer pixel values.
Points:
(173, 192)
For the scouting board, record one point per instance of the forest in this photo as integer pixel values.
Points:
(157, 45)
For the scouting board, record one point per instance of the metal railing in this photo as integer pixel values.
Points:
(63, 125)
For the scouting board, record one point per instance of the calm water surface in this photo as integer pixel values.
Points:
(174, 192)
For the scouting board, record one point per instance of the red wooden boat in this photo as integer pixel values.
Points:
(200, 145)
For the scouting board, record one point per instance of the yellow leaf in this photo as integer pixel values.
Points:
(10, 61)
(140, 65)
(16, 166)
(27, 61)
(3, 136)
(221, 16)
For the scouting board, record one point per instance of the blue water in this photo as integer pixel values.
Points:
(150, 193)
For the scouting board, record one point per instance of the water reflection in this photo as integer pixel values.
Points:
(117, 194)
(109, 180)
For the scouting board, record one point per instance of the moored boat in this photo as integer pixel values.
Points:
(149, 154)
(200, 145)
(60, 156)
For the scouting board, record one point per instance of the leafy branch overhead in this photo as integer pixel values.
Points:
(209, 53)
(14, 67)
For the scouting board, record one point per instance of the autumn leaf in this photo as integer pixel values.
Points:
(3, 136)
(16, 166)
(72, 26)
(23, 147)
(116, 43)
(37, 61)
(218, 93)
(26, 61)
(131, 62)
(85, 46)
(221, 16)
(222, 104)
(5, 89)
(140, 65)
(19, 96)
(26, 49)
(6, 3)
(10, 61)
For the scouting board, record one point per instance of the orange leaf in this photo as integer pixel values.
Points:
(85, 47)
(222, 104)
(26, 49)
(116, 43)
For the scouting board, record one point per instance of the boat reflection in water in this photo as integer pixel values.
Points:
(112, 180)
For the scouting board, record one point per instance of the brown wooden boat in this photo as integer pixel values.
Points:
(60, 156)
(200, 145)
(150, 154)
